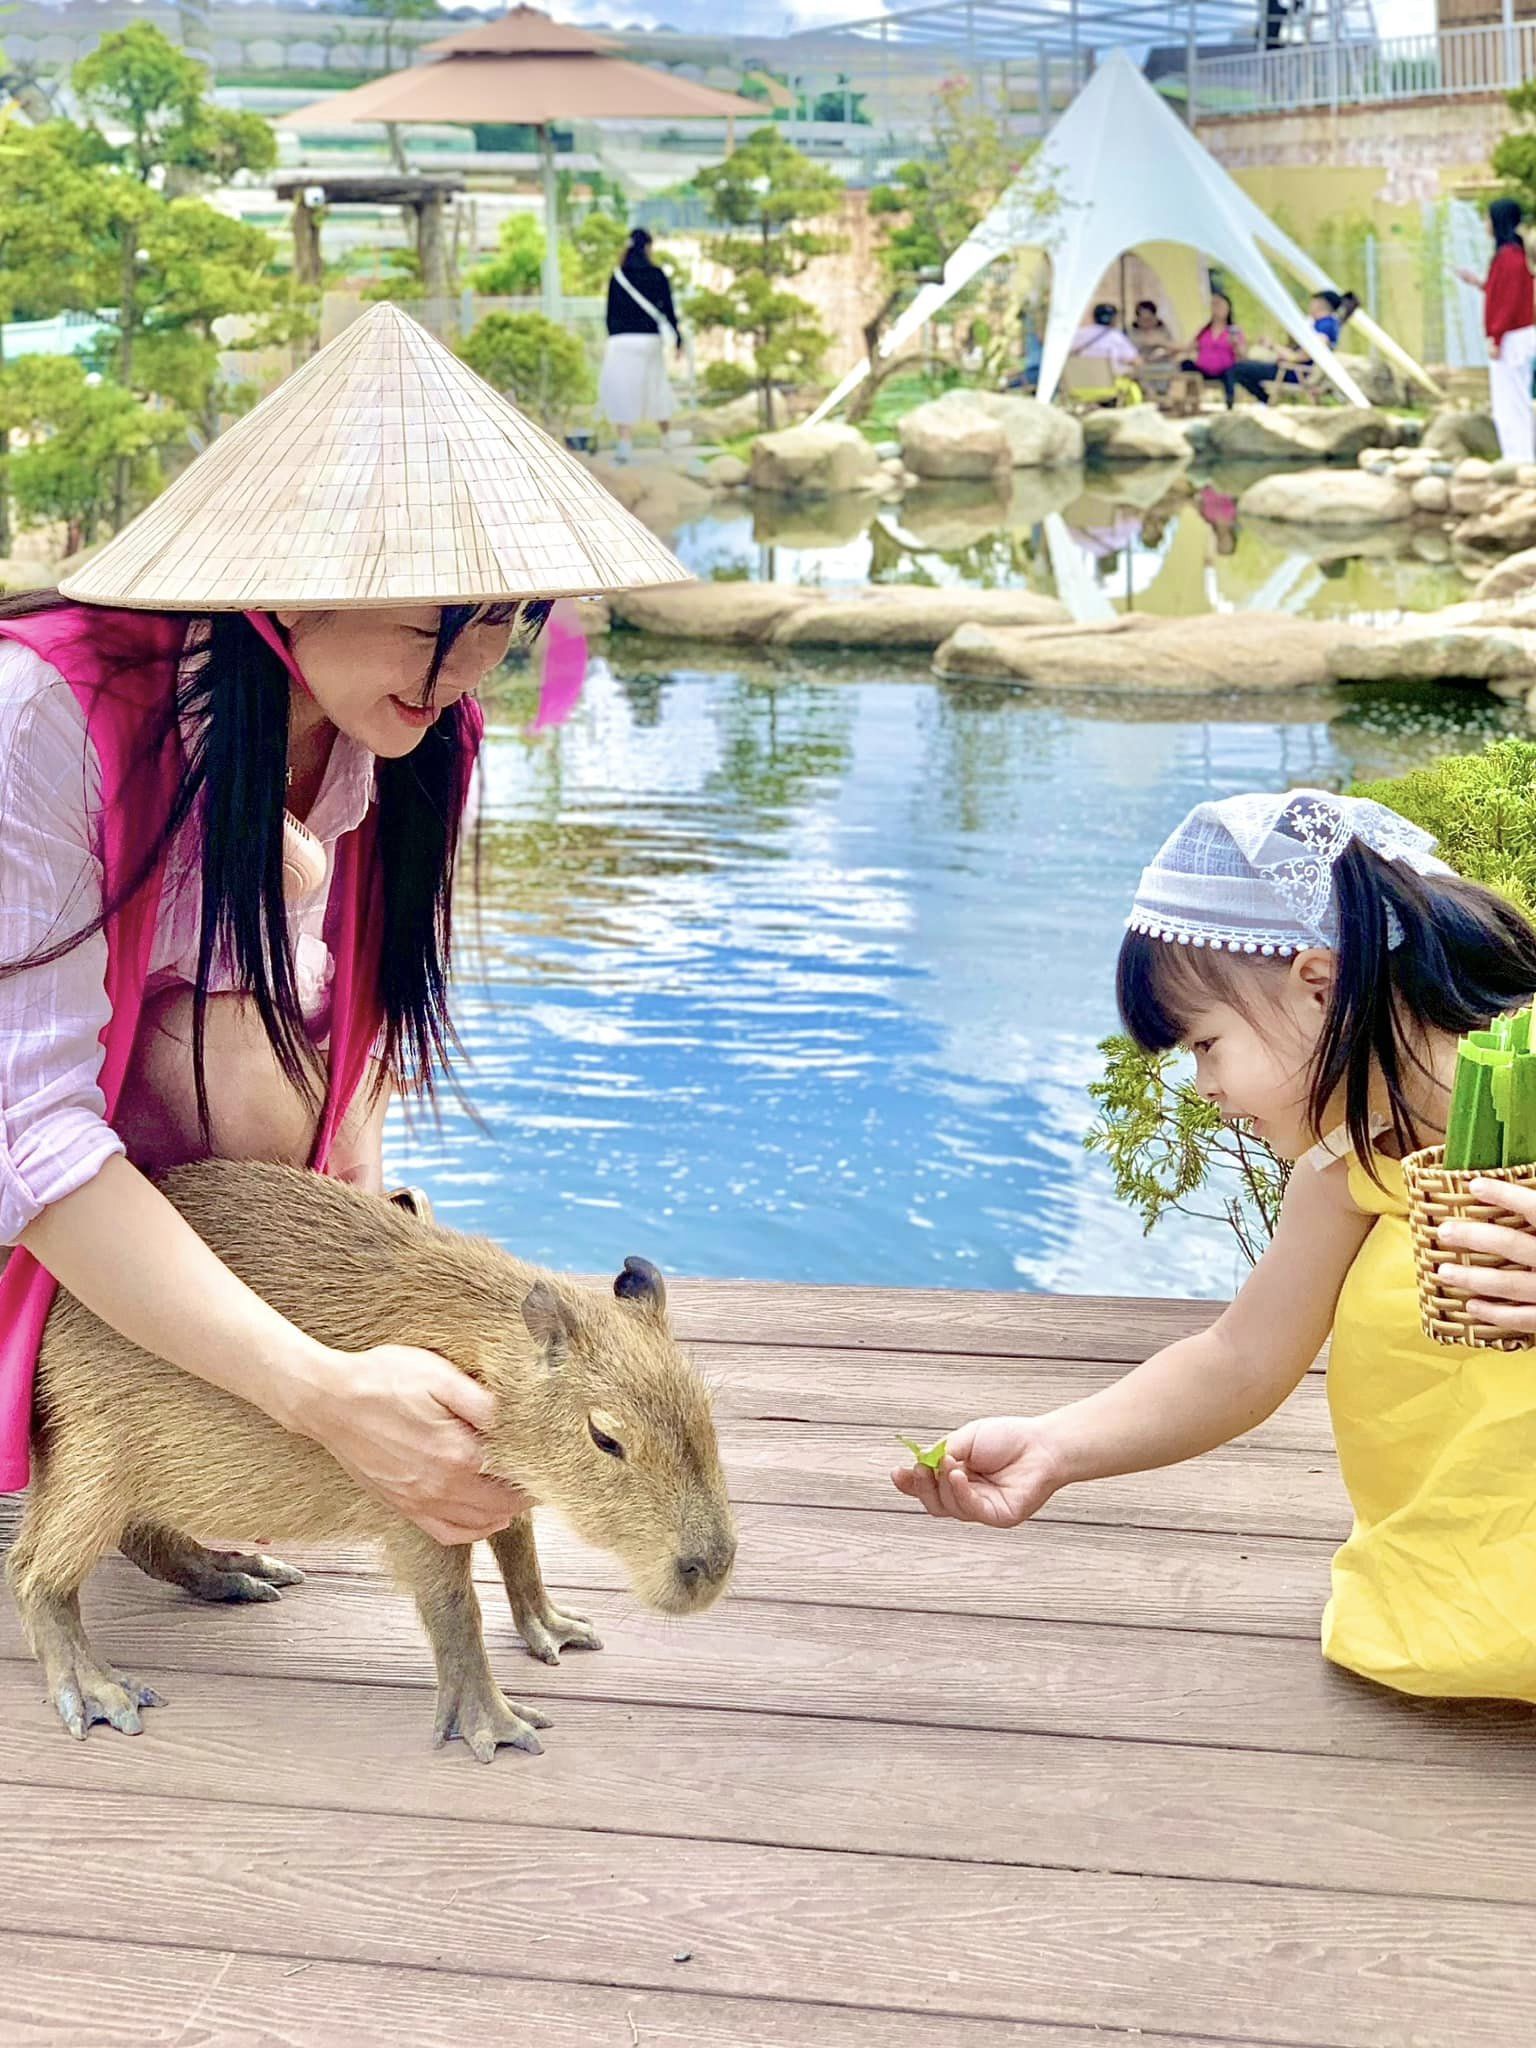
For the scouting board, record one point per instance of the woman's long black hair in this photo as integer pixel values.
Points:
(1504, 217)
(1466, 956)
(233, 695)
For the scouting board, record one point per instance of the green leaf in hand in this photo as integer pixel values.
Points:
(933, 1459)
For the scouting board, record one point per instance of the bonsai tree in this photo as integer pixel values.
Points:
(540, 365)
(768, 198)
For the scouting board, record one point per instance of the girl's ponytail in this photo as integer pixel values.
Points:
(1416, 953)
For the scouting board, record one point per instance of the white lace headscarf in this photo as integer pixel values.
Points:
(1254, 874)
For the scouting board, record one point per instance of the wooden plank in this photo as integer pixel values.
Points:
(59, 1992)
(1065, 1947)
(760, 1656)
(1136, 1808)
(1057, 1326)
(924, 1394)
(1159, 1578)
(1246, 1488)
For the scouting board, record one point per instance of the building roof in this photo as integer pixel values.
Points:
(523, 67)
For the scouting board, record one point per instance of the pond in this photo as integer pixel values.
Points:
(791, 971)
(1146, 537)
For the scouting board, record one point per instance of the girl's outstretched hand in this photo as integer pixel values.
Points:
(998, 1471)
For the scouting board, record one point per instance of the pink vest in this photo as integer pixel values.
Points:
(122, 668)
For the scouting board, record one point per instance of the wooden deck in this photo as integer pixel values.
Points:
(913, 1786)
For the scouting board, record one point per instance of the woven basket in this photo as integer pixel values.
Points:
(1436, 1194)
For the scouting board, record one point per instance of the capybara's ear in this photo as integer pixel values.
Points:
(547, 1319)
(641, 1284)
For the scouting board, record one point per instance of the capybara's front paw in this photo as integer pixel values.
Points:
(85, 1693)
(483, 1717)
(547, 1632)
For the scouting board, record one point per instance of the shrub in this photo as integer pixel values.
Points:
(539, 365)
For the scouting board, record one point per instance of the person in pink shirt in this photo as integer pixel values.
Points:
(236, 755)
(1218, 352)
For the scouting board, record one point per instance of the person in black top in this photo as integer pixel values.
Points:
(641, 319)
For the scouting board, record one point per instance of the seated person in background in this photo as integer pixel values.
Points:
(1327, 312)
(1151, 333)
(1103, 342)
(1219, 353)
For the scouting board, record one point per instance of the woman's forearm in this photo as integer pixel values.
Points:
(1182, 1402)
(121, 1248)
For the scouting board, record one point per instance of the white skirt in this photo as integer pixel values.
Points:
(633, 386)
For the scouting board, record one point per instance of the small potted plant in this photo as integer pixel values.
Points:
(1490, 1135)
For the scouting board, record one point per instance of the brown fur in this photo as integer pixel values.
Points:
(131, 1451)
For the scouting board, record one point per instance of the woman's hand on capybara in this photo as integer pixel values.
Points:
(998, 1471)
(406, 1424)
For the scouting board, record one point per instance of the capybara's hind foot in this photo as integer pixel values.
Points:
(87, 1692)
(483, 1717)
(82, 1688)
(547, 1632)
(206, 1574)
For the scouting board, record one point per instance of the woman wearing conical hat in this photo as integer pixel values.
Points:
(235, 752)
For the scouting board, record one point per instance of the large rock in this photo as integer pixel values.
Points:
(660, 498)
(1511, 578)
(953, 439)
(880, 616)
(1459, 432)
(1427, 651)
(814, 462)
(1431, 494)
(1039, 436)
(1328, 497)
(729, 612)
(909, 616)
(1135, 433)
(1277, 433)
(1208, 655)
(1507, 527)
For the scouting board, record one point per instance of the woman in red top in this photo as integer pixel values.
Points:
(1509, 319)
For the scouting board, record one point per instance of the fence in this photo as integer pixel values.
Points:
(1453, 63)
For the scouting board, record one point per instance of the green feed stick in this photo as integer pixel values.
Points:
(932, 1458)
(1474, 1136)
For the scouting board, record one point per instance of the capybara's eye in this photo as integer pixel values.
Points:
(609, 1444)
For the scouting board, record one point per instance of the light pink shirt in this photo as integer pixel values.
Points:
(54, 1137)
(1105, 344)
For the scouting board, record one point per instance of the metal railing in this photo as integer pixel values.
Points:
(1452, 63)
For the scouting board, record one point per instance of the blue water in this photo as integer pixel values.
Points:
(789, 974)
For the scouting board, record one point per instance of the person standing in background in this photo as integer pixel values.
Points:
(1509, 320)
(633, 387)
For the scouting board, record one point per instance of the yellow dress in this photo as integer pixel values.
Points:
(1435, 1590)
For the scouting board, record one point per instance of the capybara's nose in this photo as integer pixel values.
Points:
(707, 1567)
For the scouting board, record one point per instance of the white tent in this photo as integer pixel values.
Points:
(1120, 172)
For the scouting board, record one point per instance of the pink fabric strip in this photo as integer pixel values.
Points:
(263, 624)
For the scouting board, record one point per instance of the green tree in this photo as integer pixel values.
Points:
(137, 79)
(516, 271)
(769, 198)
(540, 365)
(393, 12)
(597, 243)
(1514, 154)
(75, 429)
(50, 215)
(170, 266)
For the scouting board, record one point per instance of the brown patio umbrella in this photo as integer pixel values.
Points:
(523, 67)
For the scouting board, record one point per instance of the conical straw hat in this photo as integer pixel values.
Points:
(385, 472)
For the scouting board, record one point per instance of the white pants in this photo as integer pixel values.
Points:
(1509, 381)
(633, 386)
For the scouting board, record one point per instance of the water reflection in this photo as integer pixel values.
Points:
(787, 972)
(1147, 537)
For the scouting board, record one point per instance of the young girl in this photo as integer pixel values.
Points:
(235, 754)
(1321, 965)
